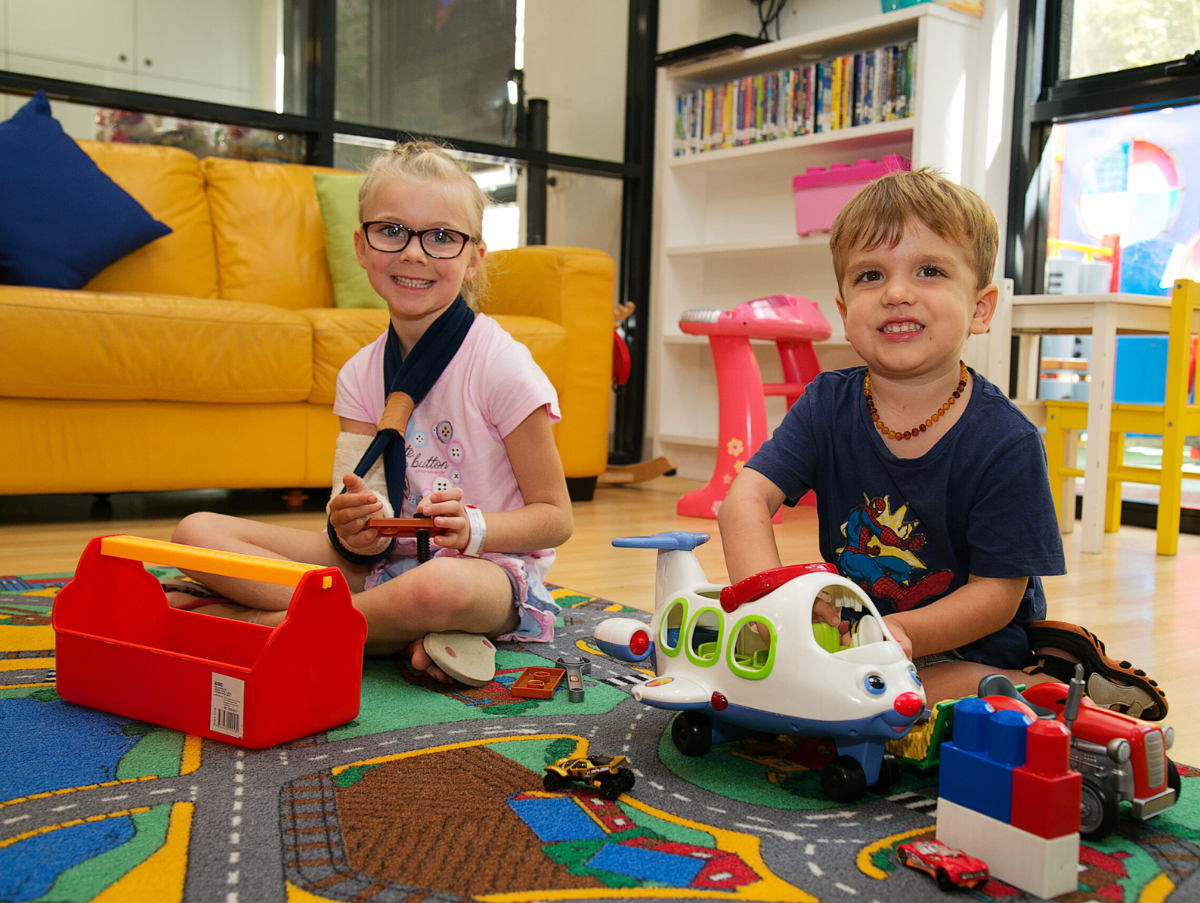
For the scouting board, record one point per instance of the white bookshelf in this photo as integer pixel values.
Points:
(725, 229)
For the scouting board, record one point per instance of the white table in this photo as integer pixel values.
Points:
(1104, 316)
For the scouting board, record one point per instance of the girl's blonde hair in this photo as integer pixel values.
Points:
(427, 161)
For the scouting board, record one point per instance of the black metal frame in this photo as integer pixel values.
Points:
(320, 126)
(1042, 98)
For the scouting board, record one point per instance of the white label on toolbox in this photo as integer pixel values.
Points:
(227, 696)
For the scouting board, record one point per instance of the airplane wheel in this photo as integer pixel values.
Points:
(843, 780)
(1097, 809)
(692, 733)
(889, 776)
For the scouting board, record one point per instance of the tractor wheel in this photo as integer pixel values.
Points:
(1097, 809)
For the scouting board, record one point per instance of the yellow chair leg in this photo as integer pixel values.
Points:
(1112, 499)
(1054, 464)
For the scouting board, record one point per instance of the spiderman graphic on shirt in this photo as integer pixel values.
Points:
(880, 559)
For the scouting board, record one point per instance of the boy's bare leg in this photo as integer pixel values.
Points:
(954, 680)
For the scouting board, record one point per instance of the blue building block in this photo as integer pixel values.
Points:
(977, 764)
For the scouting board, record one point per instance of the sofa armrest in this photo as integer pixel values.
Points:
(574, 288)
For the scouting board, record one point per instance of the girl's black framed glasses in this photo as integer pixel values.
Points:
(392, 238)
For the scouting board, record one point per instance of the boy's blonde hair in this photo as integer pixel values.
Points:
(427, 161)
(880, 212)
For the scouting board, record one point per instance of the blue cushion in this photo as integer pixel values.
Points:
(62, 220)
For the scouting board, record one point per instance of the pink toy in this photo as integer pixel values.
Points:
(794, 323)
(822, 193)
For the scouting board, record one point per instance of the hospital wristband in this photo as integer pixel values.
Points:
(478, 531)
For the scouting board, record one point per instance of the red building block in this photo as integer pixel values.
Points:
(1045, 799)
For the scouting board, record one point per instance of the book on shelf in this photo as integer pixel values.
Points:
(838, 93)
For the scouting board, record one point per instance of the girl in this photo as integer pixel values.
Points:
(481, 434)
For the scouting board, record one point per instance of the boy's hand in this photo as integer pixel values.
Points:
(446, 509)
(349, 512)
(824, 610)
(900, 635)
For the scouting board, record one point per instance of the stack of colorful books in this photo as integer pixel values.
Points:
(842, 92)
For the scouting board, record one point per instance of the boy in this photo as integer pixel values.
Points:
(932, 492)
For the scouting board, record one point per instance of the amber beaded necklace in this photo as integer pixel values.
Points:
(920, 427)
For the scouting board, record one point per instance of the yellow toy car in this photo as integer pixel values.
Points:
(610, 775)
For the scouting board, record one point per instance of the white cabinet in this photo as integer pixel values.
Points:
(204, 51)
(73, 40)
(179, 48)
(725, 229)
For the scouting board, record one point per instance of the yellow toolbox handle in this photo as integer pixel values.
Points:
(225, 564)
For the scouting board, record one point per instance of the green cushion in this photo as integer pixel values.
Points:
(337, 193)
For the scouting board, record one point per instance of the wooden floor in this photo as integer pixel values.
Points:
(1146, 607)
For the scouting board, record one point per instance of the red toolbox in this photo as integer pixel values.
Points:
(123, 649)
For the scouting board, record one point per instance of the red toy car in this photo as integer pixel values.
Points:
(949, 868)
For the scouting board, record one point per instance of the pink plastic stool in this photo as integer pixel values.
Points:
(794, 323)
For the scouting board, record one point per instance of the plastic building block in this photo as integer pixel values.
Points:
(122, 648)
(1033, 864)
(537, 682)
(977, 765)
(822, 193)
(1046, 792)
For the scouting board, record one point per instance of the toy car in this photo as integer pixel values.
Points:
(610, 775)
(950, 868)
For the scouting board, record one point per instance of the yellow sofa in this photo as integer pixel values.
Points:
(208, 358)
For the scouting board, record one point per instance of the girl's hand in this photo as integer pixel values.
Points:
(349, 512)
(447, 511)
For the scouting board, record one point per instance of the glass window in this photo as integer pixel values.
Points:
(1111, 35)
(1124, 210)
(431, 67)
(463, 69)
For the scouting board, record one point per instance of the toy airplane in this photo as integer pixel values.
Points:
(745, 659)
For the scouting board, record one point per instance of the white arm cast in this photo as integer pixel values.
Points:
(347, 453)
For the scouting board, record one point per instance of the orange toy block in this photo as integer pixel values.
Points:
(537, 683)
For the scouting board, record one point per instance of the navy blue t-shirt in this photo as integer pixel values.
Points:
(911, 530)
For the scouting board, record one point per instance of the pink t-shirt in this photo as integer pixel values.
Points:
(455, 435)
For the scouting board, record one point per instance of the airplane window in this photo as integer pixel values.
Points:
(704, 636)
(752, 650)
(671, 626)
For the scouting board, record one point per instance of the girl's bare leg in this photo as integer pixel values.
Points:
(471, 595)
(248, 537)
(467, 594)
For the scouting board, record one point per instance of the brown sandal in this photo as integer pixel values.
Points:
(1110, 684)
